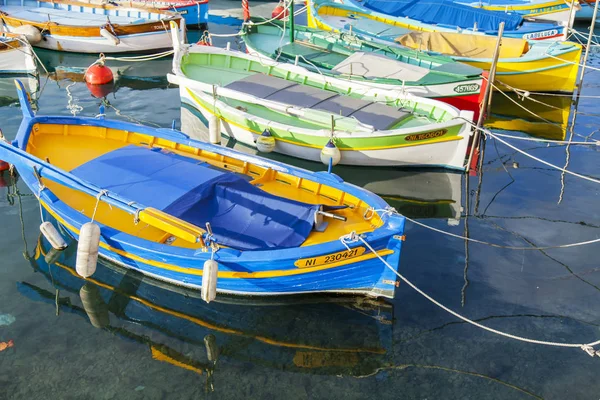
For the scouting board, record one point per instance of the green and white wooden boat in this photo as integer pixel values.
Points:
(390, 67)
(246, 96)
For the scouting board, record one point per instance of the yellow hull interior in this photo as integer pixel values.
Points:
(69, 146)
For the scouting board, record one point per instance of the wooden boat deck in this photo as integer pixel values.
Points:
(81, 143)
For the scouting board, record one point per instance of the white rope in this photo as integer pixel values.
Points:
(562, 246)
(594, 143)
(574, 63)
(72, 105)
(103, 192)
(587, 347)
(147, 57)
(587, 178)
(494, 136)
(267, 21)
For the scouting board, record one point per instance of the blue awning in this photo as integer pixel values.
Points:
(445, 13)
(242, 215)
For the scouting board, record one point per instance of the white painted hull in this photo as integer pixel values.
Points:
(138, 43)
(449, 154)
(17, 61)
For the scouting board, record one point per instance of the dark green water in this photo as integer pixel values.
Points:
(145, 340)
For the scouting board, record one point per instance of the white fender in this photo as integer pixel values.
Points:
(51, 234)
(33, 34)
(109, 36)
(209, 280)
(87, 249)
(214, 129)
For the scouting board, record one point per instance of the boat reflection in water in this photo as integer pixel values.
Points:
(547, 118)
(317, 334)
(8, 94)
(142, 75)
(415, 193)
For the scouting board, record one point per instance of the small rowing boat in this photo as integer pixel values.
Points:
(543, 66)
(16, 55)
(82, 27)
(328, 53)
(450, 16)
(308, 114)
(270, 229)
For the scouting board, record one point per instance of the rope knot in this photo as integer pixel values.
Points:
(590, 350)
(351, 237)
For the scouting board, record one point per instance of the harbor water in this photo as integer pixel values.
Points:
(121, 336)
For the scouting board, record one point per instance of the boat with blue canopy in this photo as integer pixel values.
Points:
(166, 204)
(448, 16)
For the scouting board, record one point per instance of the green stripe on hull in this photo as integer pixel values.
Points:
(426, 136)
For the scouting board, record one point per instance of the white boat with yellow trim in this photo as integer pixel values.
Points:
(247, 97)
(270, 228)
(83, 27)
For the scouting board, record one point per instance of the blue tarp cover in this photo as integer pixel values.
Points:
(242, 215)
(445, 12)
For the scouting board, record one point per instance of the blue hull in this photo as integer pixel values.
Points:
(194, 14)
(260, 272)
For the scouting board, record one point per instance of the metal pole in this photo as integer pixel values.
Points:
(487, 96)
(291, 11)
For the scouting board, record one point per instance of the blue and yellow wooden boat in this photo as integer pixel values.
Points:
(151, 190)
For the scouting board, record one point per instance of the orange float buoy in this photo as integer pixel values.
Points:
(98, 74)
(279, 12)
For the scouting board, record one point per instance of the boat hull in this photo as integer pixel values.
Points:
(16, 57)
(135, 30)
(555, 72)
(444, 154)
(369, 277)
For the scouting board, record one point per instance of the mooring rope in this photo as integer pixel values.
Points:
(587, 347)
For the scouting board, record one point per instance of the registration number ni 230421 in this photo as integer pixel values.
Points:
(329, 258)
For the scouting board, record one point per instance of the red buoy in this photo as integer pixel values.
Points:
(98, 74)
(279, 12)
(101, 91)
(4, 166)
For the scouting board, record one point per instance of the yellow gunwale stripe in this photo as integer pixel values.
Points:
(433, 141)
(205, 324)
(230, 274)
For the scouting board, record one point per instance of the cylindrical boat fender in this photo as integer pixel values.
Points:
(212, 350)
(33, 34)
(51, 234)
(330, 152)
(106, 34)
(87, 249)
(94, 306)
(214, 129)
(265, 143)
(209, 280)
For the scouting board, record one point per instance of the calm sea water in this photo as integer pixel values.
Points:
(123, 337)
